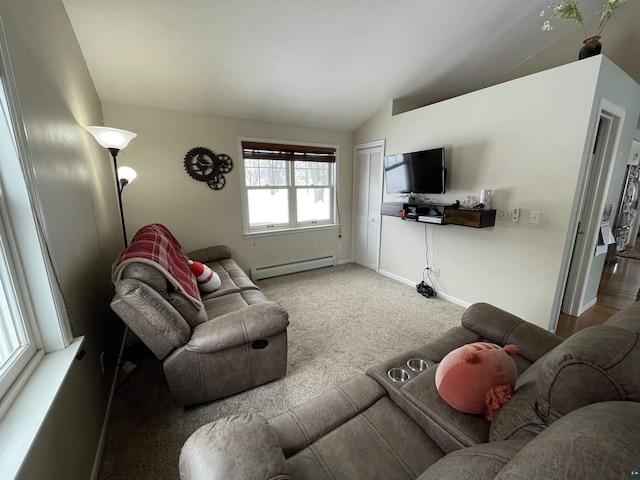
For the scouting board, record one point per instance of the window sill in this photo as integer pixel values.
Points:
(289, 231)
(21, 423)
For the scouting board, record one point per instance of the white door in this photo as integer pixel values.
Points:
(368, 198)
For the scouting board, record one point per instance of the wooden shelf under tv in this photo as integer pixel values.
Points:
(450, 215)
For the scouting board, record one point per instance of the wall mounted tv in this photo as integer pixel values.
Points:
(416, 172)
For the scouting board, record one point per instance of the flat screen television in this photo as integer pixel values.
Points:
(416, 172)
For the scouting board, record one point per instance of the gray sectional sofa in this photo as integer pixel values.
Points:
(229, 341)
(574, 414)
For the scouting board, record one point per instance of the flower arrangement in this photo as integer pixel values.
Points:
(568, 10)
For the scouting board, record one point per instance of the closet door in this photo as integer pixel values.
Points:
(368, 193)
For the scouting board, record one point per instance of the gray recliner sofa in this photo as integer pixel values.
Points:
(231, 340)
(574, 414)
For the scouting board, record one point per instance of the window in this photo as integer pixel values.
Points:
(30, 325)
(17, 346)
(288, 186)
(17, 343)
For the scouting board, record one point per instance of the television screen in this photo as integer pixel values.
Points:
(416, 172)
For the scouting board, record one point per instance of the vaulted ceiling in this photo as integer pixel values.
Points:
(326, 64)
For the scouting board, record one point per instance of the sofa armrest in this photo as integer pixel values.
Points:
(247, 324)
(240, 446)
(482, 461)
(502, 328)
(210, 254)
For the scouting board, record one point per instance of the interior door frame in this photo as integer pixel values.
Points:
(591, 209)
(356, 148)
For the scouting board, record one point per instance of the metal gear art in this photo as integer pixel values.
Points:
(217, 183)
(204, 165)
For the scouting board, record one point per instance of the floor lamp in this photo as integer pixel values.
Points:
(114, 140)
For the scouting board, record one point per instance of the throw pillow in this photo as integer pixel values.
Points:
(208, 280)
(477, 378)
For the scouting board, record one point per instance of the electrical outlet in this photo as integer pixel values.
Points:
(434, 270)
(129, 367)
(339, 245)
(515, 215)
(102, 362)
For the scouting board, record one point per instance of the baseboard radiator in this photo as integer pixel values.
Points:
(293, 267)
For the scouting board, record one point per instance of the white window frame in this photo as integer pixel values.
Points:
(293, 224)
(28, 279)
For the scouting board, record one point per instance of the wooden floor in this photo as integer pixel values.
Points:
(619, 287)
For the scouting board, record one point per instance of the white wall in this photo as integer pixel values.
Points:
(525, 140)
(620, 41)
(615, 86)
(78, 198)
(199, 216)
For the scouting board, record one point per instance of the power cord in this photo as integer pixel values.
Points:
(423, 287)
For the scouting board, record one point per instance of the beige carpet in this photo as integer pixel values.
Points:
(343, 320)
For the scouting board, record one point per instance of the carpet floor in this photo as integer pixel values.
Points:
(343, 320)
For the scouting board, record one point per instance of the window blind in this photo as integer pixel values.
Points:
(291, 153)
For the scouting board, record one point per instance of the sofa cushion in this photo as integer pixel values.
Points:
(353, 431)
(599, 441)
(465, 429)
(150, 317)
(210, 254)
(148, 274)
(501, 327)
(517, 419)
(627, 318)
(222, 304)
(231, 275)
(594, 365)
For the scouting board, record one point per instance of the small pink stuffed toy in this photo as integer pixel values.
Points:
(477, 378)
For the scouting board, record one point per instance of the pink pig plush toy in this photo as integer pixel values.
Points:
(477, 378)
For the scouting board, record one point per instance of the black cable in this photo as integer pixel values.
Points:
(427, 268)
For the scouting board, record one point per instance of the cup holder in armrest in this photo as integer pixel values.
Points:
(398, 374)
(417, 364)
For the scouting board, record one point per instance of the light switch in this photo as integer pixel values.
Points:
(534, 217)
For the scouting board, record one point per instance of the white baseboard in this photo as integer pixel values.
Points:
(443, 295)
(584, 308)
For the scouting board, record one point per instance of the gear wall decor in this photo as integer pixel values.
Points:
(204, 165)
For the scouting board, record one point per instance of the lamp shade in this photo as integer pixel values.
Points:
(127, 173)
(111, 137)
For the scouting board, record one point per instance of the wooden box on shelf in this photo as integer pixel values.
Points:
(392, 209)
(469, 218)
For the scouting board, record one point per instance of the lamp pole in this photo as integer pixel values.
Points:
(114, 154)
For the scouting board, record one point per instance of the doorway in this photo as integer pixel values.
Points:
(367, 202)
(584, 268)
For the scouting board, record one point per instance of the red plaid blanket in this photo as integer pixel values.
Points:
(154, 244)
